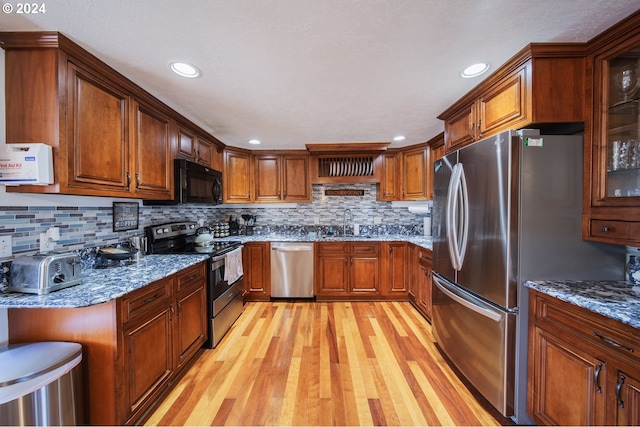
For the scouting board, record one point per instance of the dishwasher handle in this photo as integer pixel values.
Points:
(293, 249)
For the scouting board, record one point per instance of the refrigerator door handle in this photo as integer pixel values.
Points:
(462, 250)
(468, 301)
(452, 205)
(457, 216)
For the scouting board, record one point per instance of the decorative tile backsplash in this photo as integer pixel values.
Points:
(88, 227)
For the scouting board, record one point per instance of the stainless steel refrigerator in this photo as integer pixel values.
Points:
(506, 209)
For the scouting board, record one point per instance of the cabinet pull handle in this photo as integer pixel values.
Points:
(613, 343)
(473, 125)
(148, 300)
(172, 312)
(137, 181)
(245, 293)
(128, 180)
(480, 128)
(351, 260)
(597, 377)
(390, 249)
(284, 195)
(179, 309)
(619, 391)
(604, 229)
(190, 278)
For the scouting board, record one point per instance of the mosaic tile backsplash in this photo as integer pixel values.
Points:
(90, 227)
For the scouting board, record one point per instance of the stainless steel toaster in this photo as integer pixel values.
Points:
(44, 273)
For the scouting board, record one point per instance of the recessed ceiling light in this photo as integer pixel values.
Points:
(474, 70)
(254, 141)
(399, 138)
(185, 70)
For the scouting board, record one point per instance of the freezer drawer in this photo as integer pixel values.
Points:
(479, 339)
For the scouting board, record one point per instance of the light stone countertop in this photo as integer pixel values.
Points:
(616, 300)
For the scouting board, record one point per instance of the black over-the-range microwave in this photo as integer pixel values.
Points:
(194, 183)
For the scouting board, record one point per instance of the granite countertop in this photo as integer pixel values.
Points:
(617, 300)
(422, 241)
(102, 285)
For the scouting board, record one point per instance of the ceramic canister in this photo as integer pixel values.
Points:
(632, 265)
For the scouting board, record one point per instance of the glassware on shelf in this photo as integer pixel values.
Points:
(627, 80)
(624, 155)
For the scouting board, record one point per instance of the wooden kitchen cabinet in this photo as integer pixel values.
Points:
(419, 271)
(389, 187)
(152, 165)
(281, 177)
(266, 177)
(198, 149)
(405, 174)
(583, 367)
(135, 348)
(237, 176)
(256, 264)
(347, 270)
(611, 211)
(191, 327)
(109, 136)
(541, 84)
(396, 278)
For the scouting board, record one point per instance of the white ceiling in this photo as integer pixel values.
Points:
(291, 72)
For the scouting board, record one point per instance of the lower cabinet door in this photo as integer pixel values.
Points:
(365, 275)
(569, 384)
(190, 323)
(332, 273)
(148, 367)
(627, 400)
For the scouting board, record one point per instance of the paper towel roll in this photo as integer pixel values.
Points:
(427, 226)
(419, 209)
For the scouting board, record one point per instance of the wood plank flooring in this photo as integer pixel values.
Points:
(319, 363)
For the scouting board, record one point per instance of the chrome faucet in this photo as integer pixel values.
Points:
(347, 216)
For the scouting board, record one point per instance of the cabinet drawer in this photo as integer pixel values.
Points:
(145, 299)
(365, 249)
(192, 276)
(591, 327)
(617, 229)
(332, 248)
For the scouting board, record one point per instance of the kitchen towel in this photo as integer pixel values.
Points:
(233, 266)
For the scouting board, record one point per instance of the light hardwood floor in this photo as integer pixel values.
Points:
(339, 363)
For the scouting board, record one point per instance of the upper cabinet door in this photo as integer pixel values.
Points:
(237, 177)
(153, 167)
(296, 185)
(415, 164)
(267, 178)
(98, 138)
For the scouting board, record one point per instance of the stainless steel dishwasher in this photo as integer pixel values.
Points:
(291, 270)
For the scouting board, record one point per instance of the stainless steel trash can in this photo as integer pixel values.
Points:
(40, 384)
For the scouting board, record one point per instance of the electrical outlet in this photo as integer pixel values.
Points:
(46, 245)
(5, 247)
(377, 220)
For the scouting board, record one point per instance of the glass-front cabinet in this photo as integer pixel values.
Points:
(621, 124)
(611, 209)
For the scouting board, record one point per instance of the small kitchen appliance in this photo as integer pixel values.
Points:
(44, 273)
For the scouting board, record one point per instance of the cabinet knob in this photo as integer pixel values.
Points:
(604, 229)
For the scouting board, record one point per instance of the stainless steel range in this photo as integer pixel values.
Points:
(224, 278)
